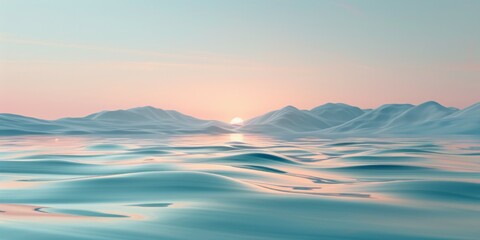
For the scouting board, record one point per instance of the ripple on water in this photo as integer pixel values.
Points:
(182, 187)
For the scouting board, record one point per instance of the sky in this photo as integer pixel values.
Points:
(220, 59)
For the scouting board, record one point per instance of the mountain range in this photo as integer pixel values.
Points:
(429, 118)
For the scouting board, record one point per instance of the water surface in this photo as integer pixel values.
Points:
(238, 186)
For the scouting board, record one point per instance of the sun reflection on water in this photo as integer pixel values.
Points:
(236, 137)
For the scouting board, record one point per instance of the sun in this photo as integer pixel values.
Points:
(236, 121)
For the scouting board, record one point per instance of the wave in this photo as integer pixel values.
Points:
(254, 158)
(207, 187)
(131, 187)
(434, 191)
(382, 168)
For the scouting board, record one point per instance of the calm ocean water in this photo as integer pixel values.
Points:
(238, 186)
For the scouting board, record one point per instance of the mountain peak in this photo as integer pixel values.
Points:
(146, 107)
(290, 108)
(337, 113)
(431, 104)
(330, 104)
(287, 118)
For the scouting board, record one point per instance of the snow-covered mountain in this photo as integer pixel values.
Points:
(12, 124)
(429, 118)
(415, 119)
(286, 119)
(336, 113)
(146, 114)
(131, 121)
(465, 122)
(291, 119)
(374, 120)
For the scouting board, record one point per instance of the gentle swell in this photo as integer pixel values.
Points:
(255, 158)
(237, 187)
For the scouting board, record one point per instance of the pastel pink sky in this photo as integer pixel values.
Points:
(226, 59)
(55, 90)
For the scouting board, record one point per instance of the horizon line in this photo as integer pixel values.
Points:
(289, 105)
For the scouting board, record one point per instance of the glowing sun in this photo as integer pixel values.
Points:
(236, 121)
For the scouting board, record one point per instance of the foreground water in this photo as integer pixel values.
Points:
(238, 187)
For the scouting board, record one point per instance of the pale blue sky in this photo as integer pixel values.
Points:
(225, 58)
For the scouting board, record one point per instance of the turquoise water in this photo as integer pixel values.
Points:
(238, 186)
